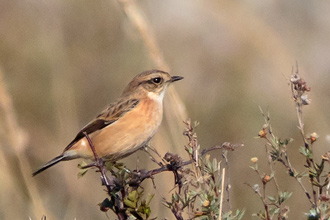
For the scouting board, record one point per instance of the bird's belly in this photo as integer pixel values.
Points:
(123, 137)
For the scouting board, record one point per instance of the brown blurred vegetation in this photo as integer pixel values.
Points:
(63, 61)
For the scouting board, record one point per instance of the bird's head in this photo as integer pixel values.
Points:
(152, 83)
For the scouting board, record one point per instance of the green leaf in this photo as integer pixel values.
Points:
(272, 199)
(83, 171)
(254, 167)
(285, 142)
(284, 196)
(306, 152)
(272, 175)
(144, 209)
(131, 199)
(313, 215)
(130, 204)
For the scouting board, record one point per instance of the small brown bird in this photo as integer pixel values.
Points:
(126, 125)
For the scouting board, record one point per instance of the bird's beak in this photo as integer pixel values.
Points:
(176, 78)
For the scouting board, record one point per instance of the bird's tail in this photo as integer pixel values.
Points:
(49, 164)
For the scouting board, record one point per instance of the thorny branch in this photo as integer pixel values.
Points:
(170, 162)
(175, 163)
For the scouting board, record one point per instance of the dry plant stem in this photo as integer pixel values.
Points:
(310, 162)
(266, 209)
(222, 194)
(177, 214)
(298, 89)
(144, 29)
(17, 139)
(272, 170)
(299, 181)
(264, 201)
(192, 142)
(287, 164)
(153, 159)
(224, 155)
(262, 198)
(290, 169)
(158, 155)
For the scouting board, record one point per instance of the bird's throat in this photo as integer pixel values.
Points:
(156, 97)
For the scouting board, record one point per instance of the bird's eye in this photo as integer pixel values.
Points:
(157, 80)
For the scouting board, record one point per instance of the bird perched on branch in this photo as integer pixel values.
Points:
(126, 125)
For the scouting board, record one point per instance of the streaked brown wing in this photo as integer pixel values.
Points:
(107, 117)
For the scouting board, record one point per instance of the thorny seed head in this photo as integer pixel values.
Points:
(294, 79)
(262, 133)
(313, 137)
(305, 88)
(299, 83)
(324, 198)
(266, 179)
(172, 158)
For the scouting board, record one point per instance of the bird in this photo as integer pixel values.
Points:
(126, 125)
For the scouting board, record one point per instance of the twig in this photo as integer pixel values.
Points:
(153, 159)
(257, 190)
(291, 171)
(226, 145)
(180, 164)
(285, 163)
(269, 160)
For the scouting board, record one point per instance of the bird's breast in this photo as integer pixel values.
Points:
(130, 132)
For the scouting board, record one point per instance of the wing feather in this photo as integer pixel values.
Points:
(106, 117)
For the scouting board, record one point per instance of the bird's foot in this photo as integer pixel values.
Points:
(99, 163)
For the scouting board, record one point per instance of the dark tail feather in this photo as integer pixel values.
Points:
(49, 164)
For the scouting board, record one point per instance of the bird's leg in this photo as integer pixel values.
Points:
(99, 163)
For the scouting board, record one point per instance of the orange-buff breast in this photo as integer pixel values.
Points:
(126, 135)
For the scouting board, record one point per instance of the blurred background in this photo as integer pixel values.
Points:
(62, 61)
